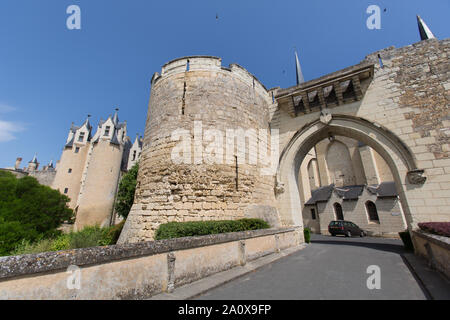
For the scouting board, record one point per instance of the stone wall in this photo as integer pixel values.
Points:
(401, 112)
(434, 248)
(99, 186)
(199, 91)
(391, 220)
(45, 177)
(135, 271)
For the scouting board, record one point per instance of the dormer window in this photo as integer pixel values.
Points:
(81, 137)
(107, 130)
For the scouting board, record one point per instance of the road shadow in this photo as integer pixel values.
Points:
(389, 247)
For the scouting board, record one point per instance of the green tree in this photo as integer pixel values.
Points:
(29, 211)
(125, 195)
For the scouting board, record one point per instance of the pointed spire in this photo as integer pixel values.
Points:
(425, 32)
(34, 158)
(298, 70)
(50, 165)
(88, 125)
(116, 117)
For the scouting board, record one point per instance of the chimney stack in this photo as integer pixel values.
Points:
(17, 165)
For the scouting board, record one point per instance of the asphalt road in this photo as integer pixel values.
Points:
(328, 268)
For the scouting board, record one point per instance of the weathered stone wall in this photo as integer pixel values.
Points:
(45, 177)
(434, 248)
(136, 271)
(71, 180)
(216, 98)
(390, 214)
(403, 115)
(410, 96)
(99, 187)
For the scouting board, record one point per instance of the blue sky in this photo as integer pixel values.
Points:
(51, 76)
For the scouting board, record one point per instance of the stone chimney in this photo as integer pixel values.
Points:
(17, 165)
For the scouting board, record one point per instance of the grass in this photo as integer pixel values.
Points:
(88, 237)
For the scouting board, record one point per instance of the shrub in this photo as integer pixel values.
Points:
(200, 228)
(438, 228)
(88, 237)
(307, 234)
(26, 247)
(406, 238)
(127, 188)
(91, 236)
(29, 211)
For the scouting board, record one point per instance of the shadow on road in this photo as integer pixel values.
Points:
(389, 247)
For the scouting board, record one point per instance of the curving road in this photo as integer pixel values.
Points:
(328, 268)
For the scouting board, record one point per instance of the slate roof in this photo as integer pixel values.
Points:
(384, 189)
(320, 194)
(349, 192)
(323, 194)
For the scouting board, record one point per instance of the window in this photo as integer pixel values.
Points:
(313, 214)
(70, 170)
(107, 130)
(134, 155)
(77, 149)
(66, 190)
(81, 137)
(372, 211)
(338, 211)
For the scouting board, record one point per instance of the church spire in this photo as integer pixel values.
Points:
(425, 32)
(298, 70)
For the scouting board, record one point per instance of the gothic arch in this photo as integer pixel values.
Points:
(397, 155)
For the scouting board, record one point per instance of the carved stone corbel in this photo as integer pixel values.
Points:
(279, 188)
(325, 116)
(416, 176)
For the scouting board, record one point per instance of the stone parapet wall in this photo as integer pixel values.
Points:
(434, 248)
(138, 270)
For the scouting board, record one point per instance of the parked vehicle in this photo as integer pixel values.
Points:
(346, 228)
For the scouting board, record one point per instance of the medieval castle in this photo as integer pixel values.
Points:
(369, 143)
(90, 169)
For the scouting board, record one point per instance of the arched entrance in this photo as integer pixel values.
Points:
(396, 154)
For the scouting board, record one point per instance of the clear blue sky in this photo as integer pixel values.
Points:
(51, 76)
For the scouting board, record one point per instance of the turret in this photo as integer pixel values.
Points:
(33, 164)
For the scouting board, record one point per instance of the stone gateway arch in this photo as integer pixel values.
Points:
(395, 101)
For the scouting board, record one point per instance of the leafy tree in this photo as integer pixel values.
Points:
(127, 188)
(29, 211)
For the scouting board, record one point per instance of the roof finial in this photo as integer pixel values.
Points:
(425, 32)
(298, 69)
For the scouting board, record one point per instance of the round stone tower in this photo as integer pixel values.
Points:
(205, 148)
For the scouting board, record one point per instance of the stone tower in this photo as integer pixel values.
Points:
(72, 162)
(197, 101)
(90, 169)
(101, 174)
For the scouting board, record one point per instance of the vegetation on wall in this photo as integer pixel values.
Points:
(200, 228)
(127, 188)
(88, 237)
(29, 211)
